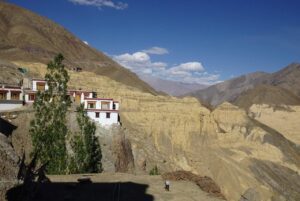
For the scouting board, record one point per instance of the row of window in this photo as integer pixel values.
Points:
(13, 96)
(107, 115)
(104, 105)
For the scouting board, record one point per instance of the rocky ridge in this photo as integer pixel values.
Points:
(237, 152)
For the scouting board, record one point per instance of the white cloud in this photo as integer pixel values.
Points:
(156, 50)
(190, 66)
(101, 3)
(139, 62)
(189, 72)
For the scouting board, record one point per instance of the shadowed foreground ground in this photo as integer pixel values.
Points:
(110, 187)
(82, 191)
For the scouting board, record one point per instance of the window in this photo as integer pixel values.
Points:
(104, 105)
(107, 115)
(15, 96)
(91, 105)
(97, 114)
(2, 95)
(31, 97)
(114, 106)
(40, 86)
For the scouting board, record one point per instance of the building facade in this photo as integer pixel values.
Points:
(103, 111)
(78, 96)
(11, 97)
(32, 88)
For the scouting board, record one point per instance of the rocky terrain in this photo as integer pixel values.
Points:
(284, 119)
(239, 153)
(9, 73)
(26, 36)
(230, 90)
(266, 94)
(8, 166)
(250, 153)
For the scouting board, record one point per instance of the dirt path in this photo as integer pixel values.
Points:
(127, 187)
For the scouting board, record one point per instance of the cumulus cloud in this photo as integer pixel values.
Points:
(189, 72)
(101, 3)
(156, 50)
(190, 66)
(139, 62)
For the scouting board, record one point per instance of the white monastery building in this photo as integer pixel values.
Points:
(11, 97)
(103, 111)
(32, 88)
(79, 95)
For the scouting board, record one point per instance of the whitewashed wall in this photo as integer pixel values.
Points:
(102, 120)
(34, 85)
(9, 106)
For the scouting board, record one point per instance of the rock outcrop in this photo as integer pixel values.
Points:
(8, 166)
(283, 118)
(181, 134)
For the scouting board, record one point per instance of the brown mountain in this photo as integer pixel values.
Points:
(26, 36)
(230, 90)
(266, 94)
(170, 87)
(287, 78)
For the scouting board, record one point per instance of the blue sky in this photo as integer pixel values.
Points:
(201, 41)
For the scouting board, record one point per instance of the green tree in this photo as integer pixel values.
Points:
(87, 151)
(48, 129)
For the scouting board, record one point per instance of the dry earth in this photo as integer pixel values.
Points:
(284, 119)
(154, 186)
(240, 154)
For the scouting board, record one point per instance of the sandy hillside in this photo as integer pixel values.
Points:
(284, 119)
(238, 153)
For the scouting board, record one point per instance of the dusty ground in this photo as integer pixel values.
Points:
(154, 186)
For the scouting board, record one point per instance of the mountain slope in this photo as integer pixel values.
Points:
(171, 87)
(229, 90)
(26, 36)
(266, 94)
(287, 78)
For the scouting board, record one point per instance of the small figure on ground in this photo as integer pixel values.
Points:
(167, 185)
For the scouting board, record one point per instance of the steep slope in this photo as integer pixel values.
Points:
(8, 166)
(266, 94)
(287, 78)
(284, 119)
(171, 87)
(9, 73)
(229, 89)
(26, 36)
(238, 153)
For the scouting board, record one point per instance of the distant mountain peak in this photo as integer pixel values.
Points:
(231, 90)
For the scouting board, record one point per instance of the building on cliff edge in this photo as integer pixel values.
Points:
(104, 111)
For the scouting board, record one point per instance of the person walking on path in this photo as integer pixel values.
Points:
(167, 185)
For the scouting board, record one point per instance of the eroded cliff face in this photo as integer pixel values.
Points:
(239, 153)
(285, 119)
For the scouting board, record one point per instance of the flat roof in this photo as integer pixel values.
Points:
(99, 110)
